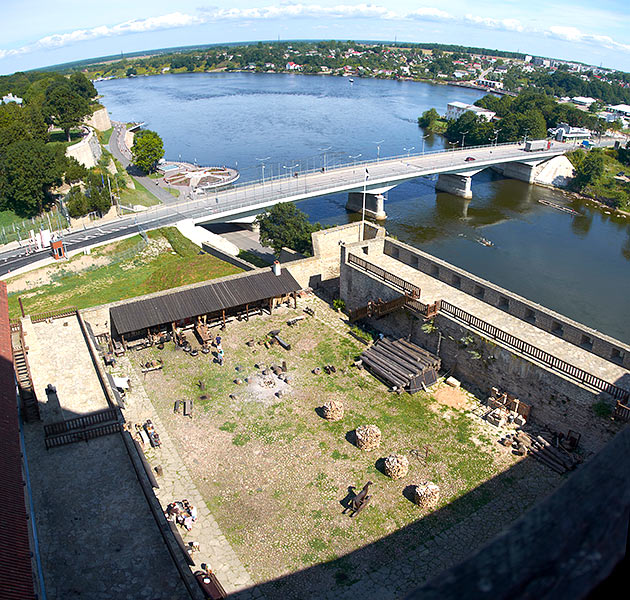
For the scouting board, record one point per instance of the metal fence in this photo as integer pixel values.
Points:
(527, 349)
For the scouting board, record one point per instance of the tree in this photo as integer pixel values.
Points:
(65, 108)
(589, 170)
(428, 119)
(284, 225)
(76, 203)
(147, 150)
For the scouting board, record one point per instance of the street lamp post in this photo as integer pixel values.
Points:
(464, 133)
(408, 150)
(365, 178)
(452, 145)
(496, 136)
(325, 150)
(290, 169)
(354, 158)
(424, 137)
(262, 165)
(378, 150)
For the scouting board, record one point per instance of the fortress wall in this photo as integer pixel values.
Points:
(555, 400)
(87, 151)
(540, 316)
(99, 120)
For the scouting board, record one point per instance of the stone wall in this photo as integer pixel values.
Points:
(472, 358)
(99, 120)
(87, 151)
(324, 264)
(540, 316)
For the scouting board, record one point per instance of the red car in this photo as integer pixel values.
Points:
(470, 158)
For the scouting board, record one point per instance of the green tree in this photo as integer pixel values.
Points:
(147, 150)
(28, 169)
(77, 203)
(589, 170)
(428, 119)
(65, 108)
(284, 225)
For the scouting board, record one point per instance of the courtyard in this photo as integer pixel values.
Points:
(276, 476)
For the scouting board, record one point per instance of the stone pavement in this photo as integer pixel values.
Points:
(177, 484)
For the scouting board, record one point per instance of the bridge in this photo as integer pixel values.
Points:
(241, 203)
(369, 180)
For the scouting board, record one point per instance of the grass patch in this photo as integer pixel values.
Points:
(229, 426)
(173, 192)
(253, 259)
(140, 195)
(240, 439)
(117, 280)
(105, 136)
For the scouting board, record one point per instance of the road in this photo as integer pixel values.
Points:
(250, 198)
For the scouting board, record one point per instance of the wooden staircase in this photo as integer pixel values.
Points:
(30, 406)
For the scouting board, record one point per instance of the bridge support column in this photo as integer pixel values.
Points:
(521, 171)
(374, 204)
(458, 185)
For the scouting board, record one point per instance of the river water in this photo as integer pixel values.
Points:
(577, 265)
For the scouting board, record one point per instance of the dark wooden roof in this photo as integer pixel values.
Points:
(16, 578)
(205, 299)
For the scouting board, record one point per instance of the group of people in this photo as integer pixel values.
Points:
(183, 513)
(220, 354)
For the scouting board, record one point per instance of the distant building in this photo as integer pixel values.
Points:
(456, 109)
(11, 98)
(623, 110)
(541, 62)
(583, 100)
(291, 66)
(528, 58)
(489, 83)
(565, 133)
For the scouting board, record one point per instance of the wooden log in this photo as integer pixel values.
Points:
(555, 452)
(551, 465)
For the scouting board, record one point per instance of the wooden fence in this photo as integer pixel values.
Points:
(382, 274)
(60, 313)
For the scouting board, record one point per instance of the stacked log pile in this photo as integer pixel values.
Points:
(401, 364)
(396, 466)
(333, 410)
(426, 495)
(557, 459)
(368, 437)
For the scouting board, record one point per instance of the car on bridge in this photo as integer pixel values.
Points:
(470, 158)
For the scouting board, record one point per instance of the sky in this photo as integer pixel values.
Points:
(38, 33)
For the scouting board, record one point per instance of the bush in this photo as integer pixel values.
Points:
(602, 409)
(339, 304)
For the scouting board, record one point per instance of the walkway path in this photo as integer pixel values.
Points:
(177, 484)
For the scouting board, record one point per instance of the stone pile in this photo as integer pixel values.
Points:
(333, 410)
(396, 466)
(426, 495)
(368, 437)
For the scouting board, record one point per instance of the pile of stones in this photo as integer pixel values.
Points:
(333, 410)
(396, 466)
(368, 437)
(426, 495)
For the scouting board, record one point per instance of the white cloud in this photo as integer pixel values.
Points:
(291, 10)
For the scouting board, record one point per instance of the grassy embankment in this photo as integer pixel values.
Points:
(116, 271)
(608, 188)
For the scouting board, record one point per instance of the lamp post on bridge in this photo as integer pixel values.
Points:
(363, 211)
(408, 150)
(325, 150)
(424, 137)
(262, 164)
(354, 158)
(496, 136)
(464, 133)
(290, 169)
(378, 150)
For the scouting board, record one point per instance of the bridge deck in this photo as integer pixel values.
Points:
(433, 289)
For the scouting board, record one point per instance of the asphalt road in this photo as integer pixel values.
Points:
(255, 196)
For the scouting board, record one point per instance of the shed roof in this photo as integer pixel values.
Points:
(205, 299)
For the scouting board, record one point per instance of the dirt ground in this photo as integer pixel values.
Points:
(277, 476)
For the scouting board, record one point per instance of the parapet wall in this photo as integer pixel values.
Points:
(470, 357)
(513, 304)
(87, 151)
(99, 120)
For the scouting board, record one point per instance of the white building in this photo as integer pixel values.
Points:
(489, 83)
(566, 133)
(11, 98)
(454, 110)
(583, 100)
(623, 110)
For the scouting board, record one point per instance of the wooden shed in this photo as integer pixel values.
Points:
(402, 365)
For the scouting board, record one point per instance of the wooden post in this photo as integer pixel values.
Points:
(21, 305)
(270, 305)
(122, 337)
(247, 312)
(223, 316)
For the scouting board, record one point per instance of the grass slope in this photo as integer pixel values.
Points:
(117, 271)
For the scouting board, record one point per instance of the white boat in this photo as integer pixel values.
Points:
(351, 80)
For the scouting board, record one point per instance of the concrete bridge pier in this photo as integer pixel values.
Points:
(374, 204)
(452, 183)
(522, 171)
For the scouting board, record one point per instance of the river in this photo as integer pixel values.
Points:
(577, 265)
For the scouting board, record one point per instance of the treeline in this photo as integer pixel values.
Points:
(30, 164)
(463, 49)
(530, 114)
(562, 83)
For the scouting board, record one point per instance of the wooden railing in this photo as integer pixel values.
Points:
(60, 313)
(384, 275)
(527, 349)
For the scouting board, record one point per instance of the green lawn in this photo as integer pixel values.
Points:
(117, 272)
(174, 192)
(58, 136)
(106, 135)
(140, 195)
